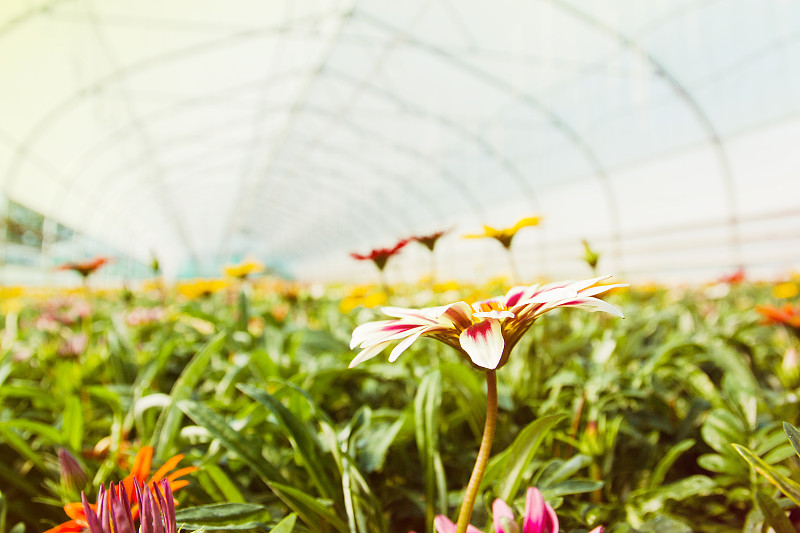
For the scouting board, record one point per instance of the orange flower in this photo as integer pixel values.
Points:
(139, 472)
(786, 314)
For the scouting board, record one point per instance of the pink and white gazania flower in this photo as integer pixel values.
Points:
(485, 332)
(539, 517)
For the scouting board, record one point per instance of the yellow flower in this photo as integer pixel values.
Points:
(362, 296)
(200, 287)
(504, 236)
(244, 269)
(786, 290)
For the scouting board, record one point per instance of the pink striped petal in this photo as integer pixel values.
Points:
(368, 353)
(408, 341)
(598, 529)
(457, 315)
(518, 294)
(500, 510)
(483, 343)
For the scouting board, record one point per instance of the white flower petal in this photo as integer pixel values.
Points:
(552, 295)
(369, 330)
(484, 343)
(368, 353)
(494, 314)
(408, 341)
(599, 289)
(589, 304)
(580, 285)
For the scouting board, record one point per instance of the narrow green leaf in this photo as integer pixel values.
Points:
(8, 436)
(45, 431)
(522, 451)
(773, 514)
(223, 482)
(790, 488)
(571, 486)
(309, 509)
(231, 439)
(304, 504)
(286, 525)
(426, 430)
(221, 513)
(248, 526)
(303, 441)
(72, 428)
(794, 436)
(666, 462)
(168, 424)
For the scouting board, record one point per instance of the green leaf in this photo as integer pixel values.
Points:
(45, 431)
(223, 483)
(303, 441)
(773, 514)
(225, 513)
(666, 462)
(571, 486)
(720, 429)
(286, 525)
(794, 436)
(72, 427)
(309, 509)
(522, 451)
(168, 424)
(426, 430)
(247, 450)
(790, 488)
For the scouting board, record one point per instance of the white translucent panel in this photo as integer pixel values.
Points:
(663, 132)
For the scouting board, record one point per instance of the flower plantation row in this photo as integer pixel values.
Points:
(626, 424)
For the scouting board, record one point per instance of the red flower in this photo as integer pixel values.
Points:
(429, 241)
(381, 255)
(733, 278)
(786, 314)
(86, 267)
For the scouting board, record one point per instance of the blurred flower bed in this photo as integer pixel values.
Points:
(627, 423)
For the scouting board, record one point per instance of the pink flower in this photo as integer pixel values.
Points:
(485, 332)
(539, 517)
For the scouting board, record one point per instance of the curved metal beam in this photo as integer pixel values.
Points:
(691, 103)
(559, 122)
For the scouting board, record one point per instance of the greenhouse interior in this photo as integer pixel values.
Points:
(282, 266)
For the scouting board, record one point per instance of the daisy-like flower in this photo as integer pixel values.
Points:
(244, 269)
(114, 514)
(87, 267)
(80, 519)
(539, 517)
(506, 235)
(485, 332)
(429, 241)
(786, 314)
(380, 256)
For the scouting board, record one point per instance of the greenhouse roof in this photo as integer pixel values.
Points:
(664, 132)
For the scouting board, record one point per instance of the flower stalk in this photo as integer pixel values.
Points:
(471, 492)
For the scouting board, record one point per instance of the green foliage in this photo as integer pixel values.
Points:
(627, 423)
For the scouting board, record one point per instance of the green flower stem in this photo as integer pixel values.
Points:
(483, 454)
